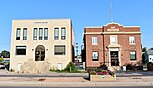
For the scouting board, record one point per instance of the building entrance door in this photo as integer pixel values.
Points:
(114, 58)
(40, 53)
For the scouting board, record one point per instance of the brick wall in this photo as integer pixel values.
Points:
(104, 42)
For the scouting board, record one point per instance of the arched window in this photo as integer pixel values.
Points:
(40, 53)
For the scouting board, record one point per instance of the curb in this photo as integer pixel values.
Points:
(75, 84)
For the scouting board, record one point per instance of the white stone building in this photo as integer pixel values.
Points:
(40, 45)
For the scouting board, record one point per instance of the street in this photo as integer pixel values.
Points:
(81, 87)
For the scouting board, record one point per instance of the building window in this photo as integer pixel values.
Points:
(24, 33)
(35, 34)
(18, 33)
(131, 40)
(132, 55)
(45, 33)
(113, 39)
(59, 50)
(40, 33)
(63, 33)
(56, 33)
(94, 56)
(94, 40)
(20, 50)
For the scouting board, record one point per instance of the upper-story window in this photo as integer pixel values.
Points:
(24, 33)
(35, 34)
(40, 33)
(113, 39)
(63, 33)
(95, 56)
(56, 33)
(94, 40)
(18, 32)
(45, 33)
(132, 40)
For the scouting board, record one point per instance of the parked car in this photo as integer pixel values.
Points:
(2, 66)
(6, 61)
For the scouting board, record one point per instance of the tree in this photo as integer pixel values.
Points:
(144, 49)
(5, 54)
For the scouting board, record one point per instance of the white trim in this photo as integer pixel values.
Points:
(113, 23)
(94, 27)
(92, 33)
(112, 33)
(133, 61)
(121, 32)
(119, 55)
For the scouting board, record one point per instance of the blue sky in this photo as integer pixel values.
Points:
(81, 12)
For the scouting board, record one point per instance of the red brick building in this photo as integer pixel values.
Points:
(113, 45)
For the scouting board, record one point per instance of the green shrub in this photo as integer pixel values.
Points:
(1, 59)
(70, 68)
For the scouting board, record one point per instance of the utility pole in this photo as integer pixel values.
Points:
(76, 47)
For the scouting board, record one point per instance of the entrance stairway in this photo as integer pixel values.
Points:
(32, 66)
(115, 68)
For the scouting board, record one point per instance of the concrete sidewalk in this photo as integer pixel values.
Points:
(75, 84)
(73, 81)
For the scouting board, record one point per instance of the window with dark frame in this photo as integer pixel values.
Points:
(35, 34)
(132, 55)
(40, 33)
(18, 33)
(95, 56)
(20, 50)
(59, 49)
(24, 33)
(56, 33)
(45, 33)
(63, 33)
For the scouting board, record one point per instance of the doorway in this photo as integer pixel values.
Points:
(114, 58)
(40, 53)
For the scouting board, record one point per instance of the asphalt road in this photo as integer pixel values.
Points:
(81, 87)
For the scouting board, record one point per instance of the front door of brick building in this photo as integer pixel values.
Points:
(114, 58)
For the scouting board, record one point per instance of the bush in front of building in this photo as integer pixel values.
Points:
(130, 67)
(71, 68)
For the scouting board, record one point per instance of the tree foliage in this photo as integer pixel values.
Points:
(5, 54)
(144, 49)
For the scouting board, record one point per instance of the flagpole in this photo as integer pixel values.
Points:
(111, 15)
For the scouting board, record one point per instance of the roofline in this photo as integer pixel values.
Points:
(43, 19)
(113, 23)
(94, 27)
(131, 26)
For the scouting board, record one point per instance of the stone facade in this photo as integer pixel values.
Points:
(113, 41)
(39, 51)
